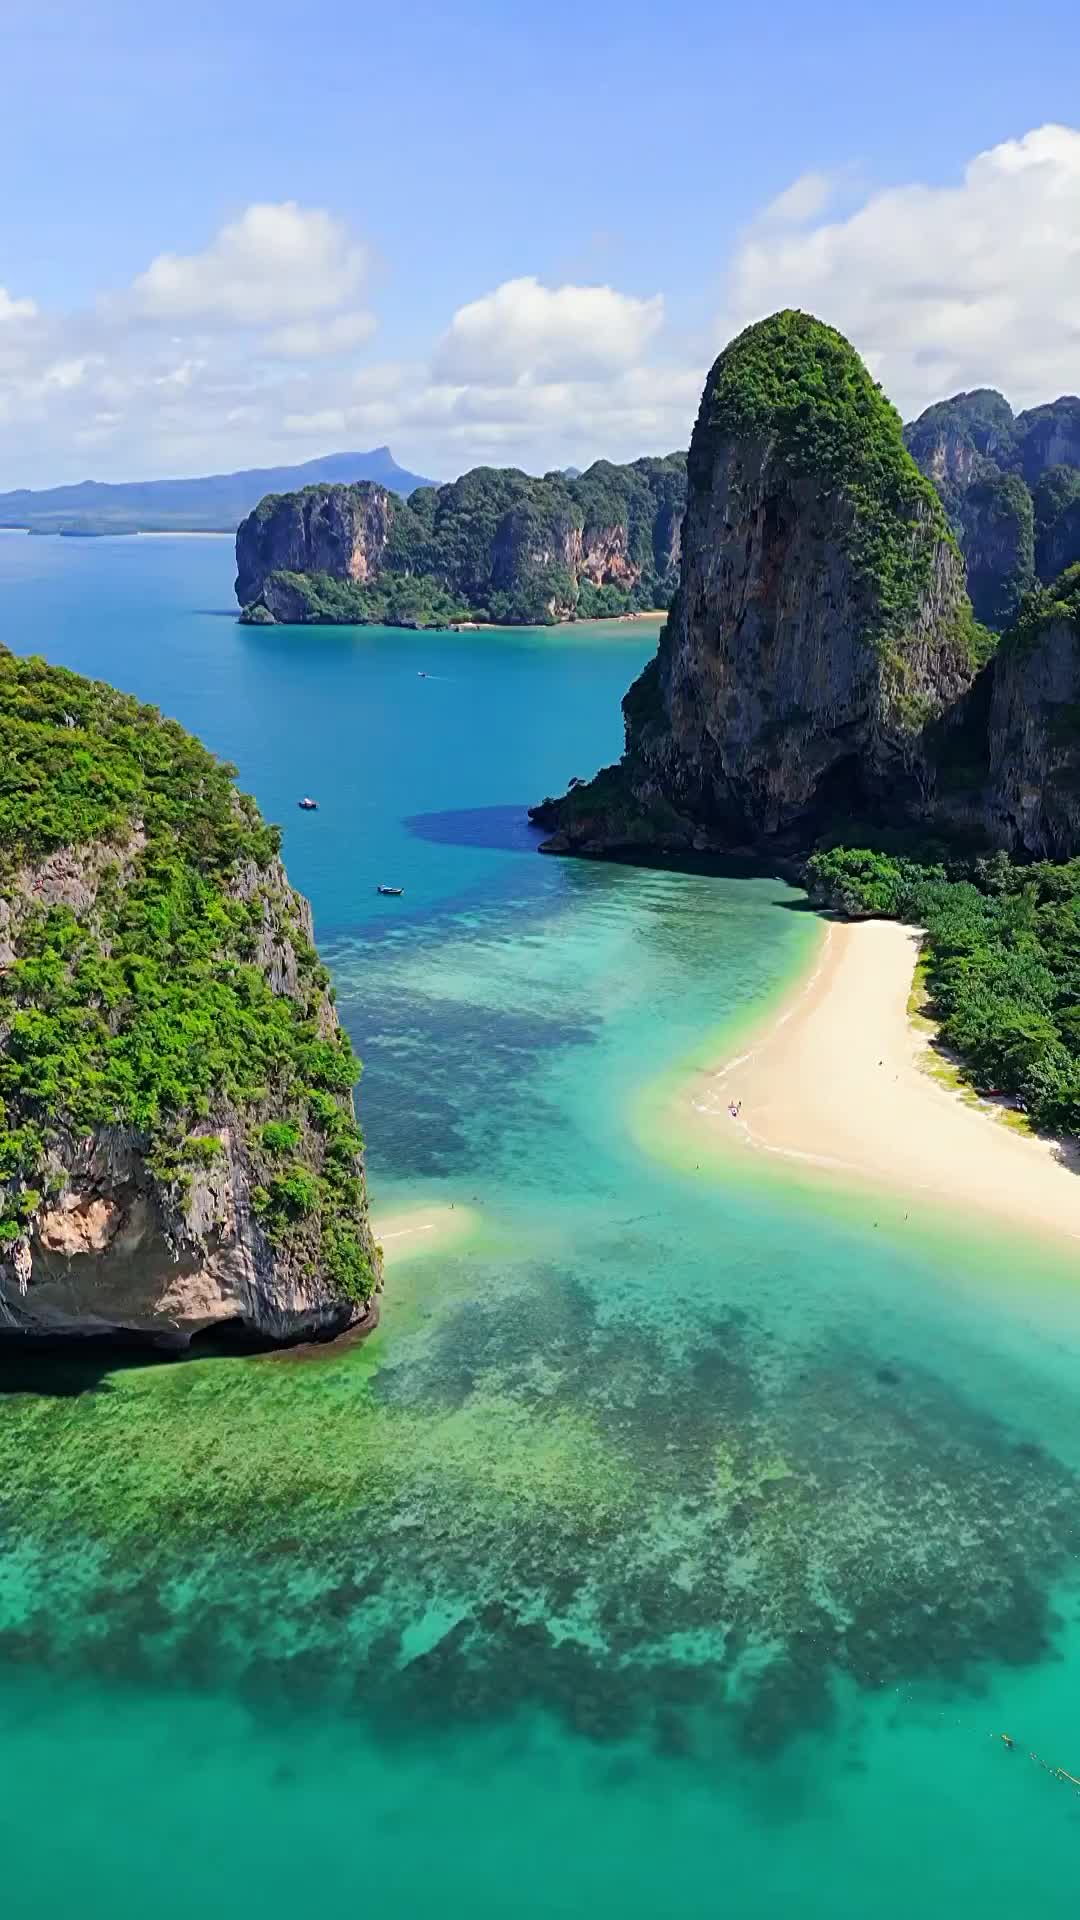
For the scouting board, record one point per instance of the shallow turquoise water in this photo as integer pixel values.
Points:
(681, 1539)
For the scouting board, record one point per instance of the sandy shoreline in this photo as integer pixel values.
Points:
(519, 626)
(840, 1080)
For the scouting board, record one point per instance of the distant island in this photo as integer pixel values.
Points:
(496, 546)
(213, 503)
(503, 548)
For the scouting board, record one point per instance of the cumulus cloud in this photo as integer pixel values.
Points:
(253, 349)
(807, 196)
(528, 331)
(273, 263)
(940, 287)
(11, 309)
(258, 346)
(314, 339)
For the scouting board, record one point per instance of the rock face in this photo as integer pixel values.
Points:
(821, 625)
(1006, 481)
(1049, 437)
(177, 1141)
(341, 531)
(1034, 727)
(495, 545)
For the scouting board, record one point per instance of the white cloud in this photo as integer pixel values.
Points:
(256, 347)
(527, 331)
(15, 309)
(940, 288)
(275, 263)
(314, 339)
(807, 196)
(251, 350)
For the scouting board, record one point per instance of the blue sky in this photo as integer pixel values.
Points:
(456, 149)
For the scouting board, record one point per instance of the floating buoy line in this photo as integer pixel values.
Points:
(1056, 1773)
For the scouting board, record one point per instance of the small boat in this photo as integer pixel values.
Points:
(308, 805)
(395, 891)
(421, 675)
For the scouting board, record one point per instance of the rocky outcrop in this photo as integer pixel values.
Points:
(177, 1139)
(1048, 437)
(821, 626)
(119, 1243)
(341, 531)
(1033, 796)
(997, 537)
(496, 545)
(991, 468)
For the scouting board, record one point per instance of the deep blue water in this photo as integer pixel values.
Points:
(679, 1544)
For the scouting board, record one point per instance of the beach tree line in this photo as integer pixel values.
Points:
(1000, 960)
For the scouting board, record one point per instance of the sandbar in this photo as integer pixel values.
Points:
(844, 1080)
(420, 1229)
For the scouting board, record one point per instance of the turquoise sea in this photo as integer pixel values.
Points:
(684, 1537)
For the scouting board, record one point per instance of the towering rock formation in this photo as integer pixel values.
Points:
(1033, 797)
(177, 1140)
(1006, 481)
(821, 625)
(342, 531)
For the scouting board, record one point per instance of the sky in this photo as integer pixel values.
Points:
(250, 234)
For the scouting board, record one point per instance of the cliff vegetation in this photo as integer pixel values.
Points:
(821, 629)
(799, 384)
(162, 1004)
(1011, 486)
(496, 545)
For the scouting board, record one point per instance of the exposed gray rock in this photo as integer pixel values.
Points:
(341, 531)
(788, 684)
(1034, 737)
(119, 1245)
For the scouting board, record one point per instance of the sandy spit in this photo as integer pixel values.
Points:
(842, 1080)
(420, 1230)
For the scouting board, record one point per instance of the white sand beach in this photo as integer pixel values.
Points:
(841, 1079)
(420, 1230)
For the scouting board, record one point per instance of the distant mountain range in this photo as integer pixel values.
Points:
(213, 503)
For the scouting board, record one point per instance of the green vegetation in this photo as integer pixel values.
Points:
(1016, 519)
(998, 536)
(1054, 490)
(321, 600)
(800, 384)
(500, 546)
(143, 1004)
(1044, 606)
(1002, 962)
(620, 816)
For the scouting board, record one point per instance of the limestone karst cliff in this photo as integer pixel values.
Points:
(1033, 787)
(495, 545)
(177, 1140)
(821, 625)
(1010, 483)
